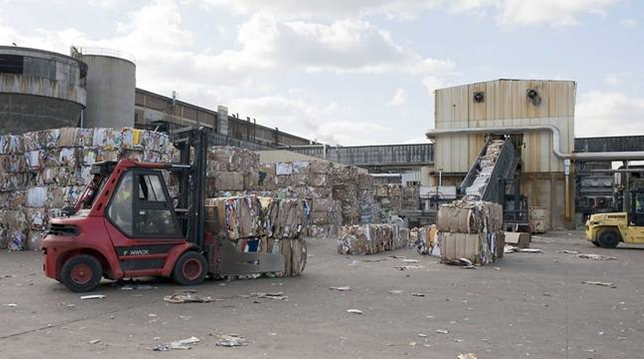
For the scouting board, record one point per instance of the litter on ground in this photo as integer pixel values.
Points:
(183, 344)
(187, 296)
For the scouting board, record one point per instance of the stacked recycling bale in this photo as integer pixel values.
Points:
(426, 240)
(263, 224)
(42, 171)
(230, 169)
(344, 182)
(472, 230)
(372, 238)
(393, 198)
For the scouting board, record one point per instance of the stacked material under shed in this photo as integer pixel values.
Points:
(42, 171)
(471, 230)
(372, 238)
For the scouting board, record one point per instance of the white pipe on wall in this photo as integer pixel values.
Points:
(582, 156)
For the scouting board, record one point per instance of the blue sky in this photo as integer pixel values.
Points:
(356, 71)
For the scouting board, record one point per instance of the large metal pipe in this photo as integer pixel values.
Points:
(580, 156)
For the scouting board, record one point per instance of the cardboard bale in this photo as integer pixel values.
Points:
(369, 239)
(470, 217)
(236, 217)
(479, 248)
(283, 169)
(518, 239)
(320, 167)
(229, 181)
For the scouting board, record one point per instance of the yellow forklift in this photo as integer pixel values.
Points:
(609, 229)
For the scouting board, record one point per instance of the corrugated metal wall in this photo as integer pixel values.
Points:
(505, 104)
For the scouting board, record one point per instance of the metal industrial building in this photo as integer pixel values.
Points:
(511, 104)
(39, 89)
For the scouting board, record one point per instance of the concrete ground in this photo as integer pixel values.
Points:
(527, 305)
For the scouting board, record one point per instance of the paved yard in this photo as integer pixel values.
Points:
(528, 305)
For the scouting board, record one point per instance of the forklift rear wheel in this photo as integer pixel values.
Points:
(81, 273)
(595, 243)
(190, 269)
(608, 238)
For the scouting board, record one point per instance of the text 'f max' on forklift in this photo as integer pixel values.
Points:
(125, 225)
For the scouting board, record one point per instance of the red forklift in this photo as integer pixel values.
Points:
(125, 225)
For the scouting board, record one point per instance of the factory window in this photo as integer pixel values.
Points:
(11, 64)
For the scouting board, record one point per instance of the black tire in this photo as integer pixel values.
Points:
(595, 243)
(81, 273)
(191, 269)
(608, 238)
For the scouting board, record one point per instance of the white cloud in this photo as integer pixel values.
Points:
(613, 80)
(344, 46)
(628, 23)
(297, 114)
(507, 12)
(432, 83)
(399, 98)
(553, 12)
(602, 113)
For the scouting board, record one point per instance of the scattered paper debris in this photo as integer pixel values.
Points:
(11, 305)
(341, 289)
(568, 251)
(353, 263)
(416, 294)
(422, 335)
(405, 267)
(276, 295)
(467, 356)
(459, 340)
(395, 291)
(599, 257)
(603, 284)
(187, 296)
(354, 311)
(412, 344)
(369, 260)
(93, 296)
(530, 250)
(442, 331)
(229, 340)
(179, 344)
(410, 260)
(95, 341)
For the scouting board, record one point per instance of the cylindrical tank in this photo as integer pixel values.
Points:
(39, 90)
(111, 85)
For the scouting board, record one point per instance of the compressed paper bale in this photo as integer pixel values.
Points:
(470, 217)
(12, 144)
(298, 256)
(284, 181)
(34, 239)
(285, 250)
(301, 167)
(320, 167)
(300, 179)
(283, 169)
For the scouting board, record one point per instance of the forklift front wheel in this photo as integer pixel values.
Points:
(81, 273)
(608, 238)
(190, 269)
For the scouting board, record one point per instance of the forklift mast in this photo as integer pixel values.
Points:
(193, 151)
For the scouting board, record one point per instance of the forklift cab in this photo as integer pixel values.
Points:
(636, 211)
